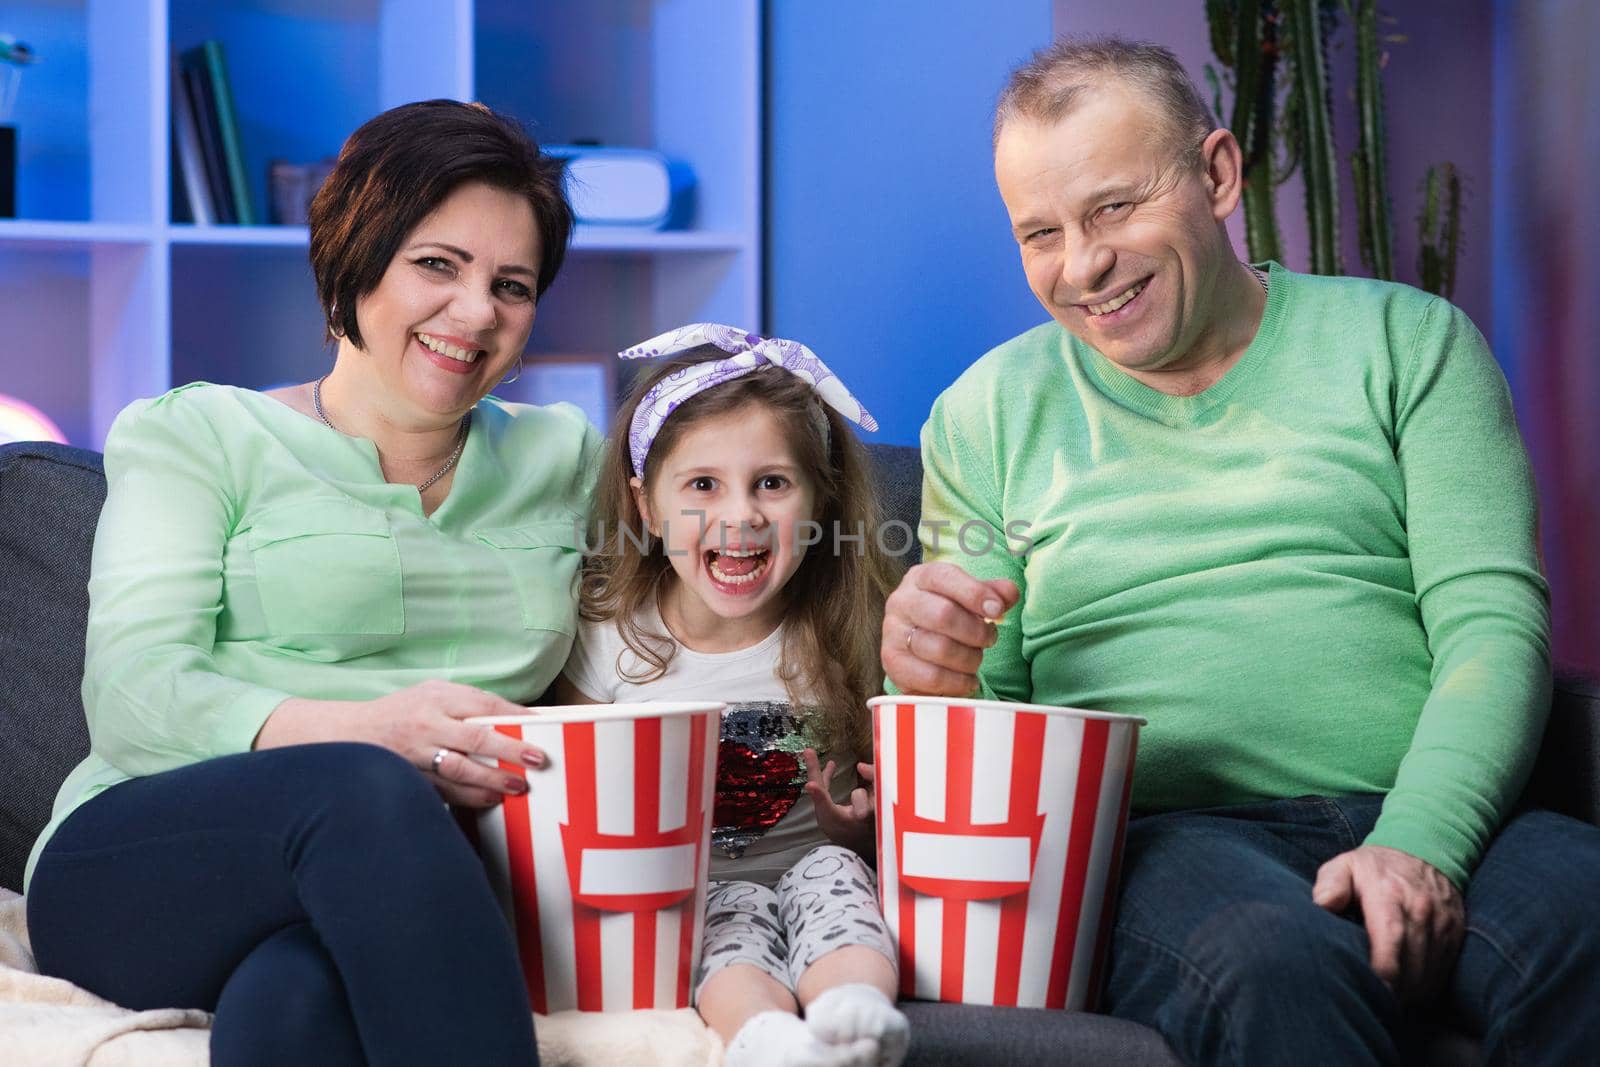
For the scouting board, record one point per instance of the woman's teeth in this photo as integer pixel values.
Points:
(747, 566)
(1117, 301)
(461, 355)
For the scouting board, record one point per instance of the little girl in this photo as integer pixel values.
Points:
(736, 559)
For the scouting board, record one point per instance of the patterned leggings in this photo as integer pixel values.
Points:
(826, 901)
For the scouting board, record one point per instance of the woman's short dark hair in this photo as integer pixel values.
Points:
(396, 169)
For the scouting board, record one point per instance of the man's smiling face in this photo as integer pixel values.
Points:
(1118, 229)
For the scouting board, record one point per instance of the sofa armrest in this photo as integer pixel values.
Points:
(1567, 775)
(50, 498)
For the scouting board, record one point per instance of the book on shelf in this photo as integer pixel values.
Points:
(205, 76)
(191, 192)
(198, 90)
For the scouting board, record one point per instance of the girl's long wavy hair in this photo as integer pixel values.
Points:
(833, 605)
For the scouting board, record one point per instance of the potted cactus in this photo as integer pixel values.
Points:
(1274, 57)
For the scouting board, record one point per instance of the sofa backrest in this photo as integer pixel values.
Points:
(899, 476)
(50, 497)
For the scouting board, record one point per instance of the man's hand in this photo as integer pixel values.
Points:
(936, 626)
(1414, 915)
(848, 825)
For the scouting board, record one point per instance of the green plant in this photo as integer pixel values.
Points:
(1369, 165)
(1257, 40)
(1244, 37)
(1308, 36)
(1440, 226)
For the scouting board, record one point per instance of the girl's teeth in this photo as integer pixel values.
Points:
(737, 579)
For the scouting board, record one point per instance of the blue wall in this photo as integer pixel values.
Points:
(888, 249)
(52, 112)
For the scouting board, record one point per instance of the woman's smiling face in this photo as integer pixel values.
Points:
(453, 310)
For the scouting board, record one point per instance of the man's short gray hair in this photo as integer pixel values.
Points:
(1052, 82)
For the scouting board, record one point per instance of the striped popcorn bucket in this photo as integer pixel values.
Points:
(1000, 831)
(601, 866)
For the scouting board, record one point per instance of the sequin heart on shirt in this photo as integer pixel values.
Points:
(755, 791)
(759, 774)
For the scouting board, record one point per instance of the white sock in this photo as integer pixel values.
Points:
(846, 1015)
(779, 1039)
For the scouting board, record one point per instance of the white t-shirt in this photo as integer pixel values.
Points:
(763, 821)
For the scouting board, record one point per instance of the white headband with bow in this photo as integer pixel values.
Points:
(748, 352)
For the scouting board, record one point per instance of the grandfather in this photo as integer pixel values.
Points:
(1290, 520)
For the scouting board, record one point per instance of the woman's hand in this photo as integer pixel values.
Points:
(419, 722)
(848, 825)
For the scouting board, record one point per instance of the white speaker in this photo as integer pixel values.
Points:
(626, 186)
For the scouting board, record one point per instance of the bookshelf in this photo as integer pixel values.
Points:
(109, 300)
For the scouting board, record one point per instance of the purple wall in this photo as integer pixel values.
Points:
(1547, 289)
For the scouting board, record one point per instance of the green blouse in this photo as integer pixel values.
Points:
(247, 554)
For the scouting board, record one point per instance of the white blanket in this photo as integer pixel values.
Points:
(46, 1022)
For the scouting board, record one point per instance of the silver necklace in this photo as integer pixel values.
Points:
(1261, 275)
(449, 464)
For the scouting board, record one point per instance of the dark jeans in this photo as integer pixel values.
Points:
(1218, 945)
(319, 899)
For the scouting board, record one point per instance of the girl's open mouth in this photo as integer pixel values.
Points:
(737, 566)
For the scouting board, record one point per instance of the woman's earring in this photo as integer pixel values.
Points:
(514, 377)
(333, 321)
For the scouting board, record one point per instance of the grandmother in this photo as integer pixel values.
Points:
(297, 600)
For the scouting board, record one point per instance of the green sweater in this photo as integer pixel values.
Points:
(1319, 576)
(247, 553)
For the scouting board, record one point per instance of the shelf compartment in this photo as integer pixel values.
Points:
(681, 78)
(305, 74)
(605, 303)
(44, 299)
(245, 315)
(84, 112)
(84, 337)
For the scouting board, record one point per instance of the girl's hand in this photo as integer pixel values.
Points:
(418, 723)
(848, 825)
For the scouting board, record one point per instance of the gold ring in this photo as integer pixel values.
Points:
(909, 635)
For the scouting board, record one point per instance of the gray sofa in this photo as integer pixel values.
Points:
(50, 497)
